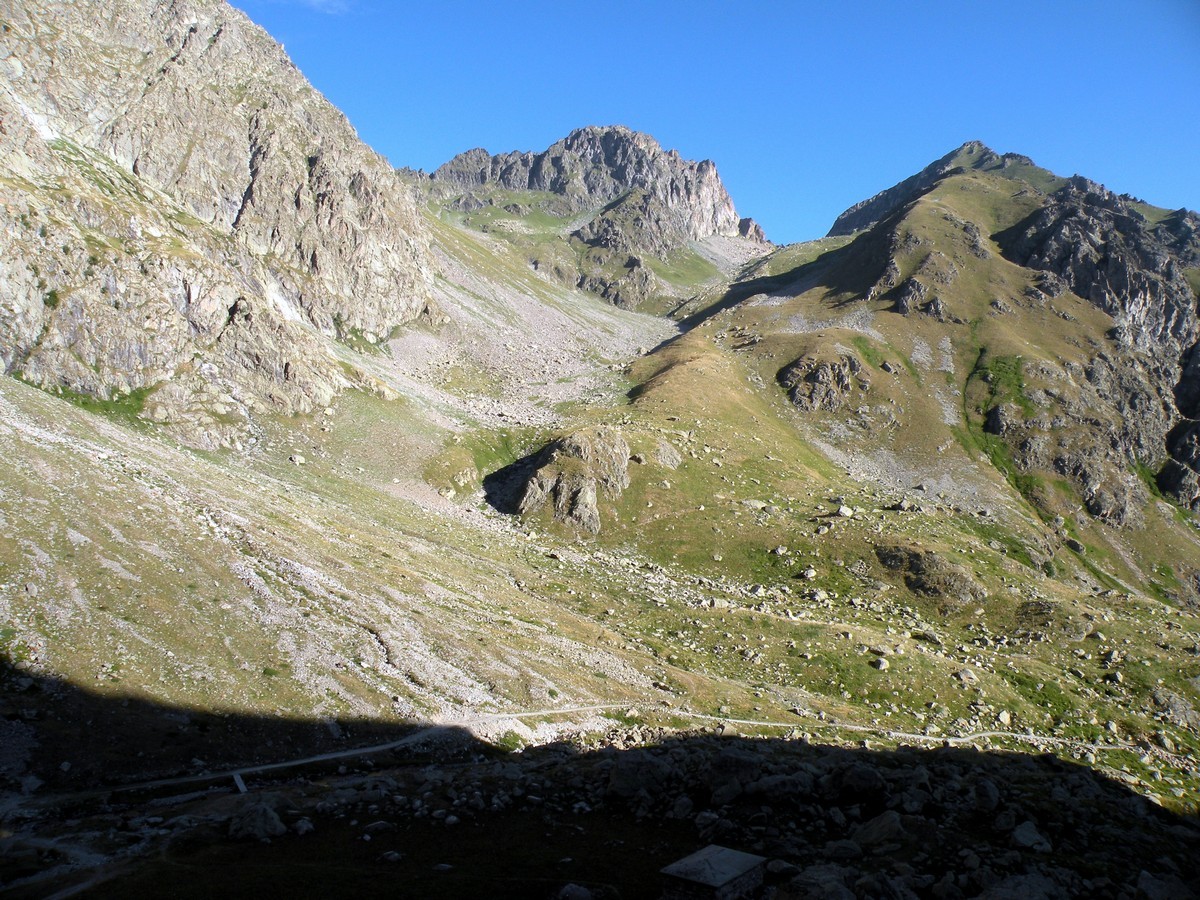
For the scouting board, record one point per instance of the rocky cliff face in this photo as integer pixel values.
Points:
(621, 197)
(187, 217)
(592, 167)
(1111, 255)
(1107, 251)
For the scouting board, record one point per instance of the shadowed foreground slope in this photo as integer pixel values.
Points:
(446, 815)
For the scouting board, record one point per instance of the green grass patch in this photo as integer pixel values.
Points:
(988, 531)
(1005, 377)
(683, 268)
(1193, 279)
(1045, 692)
(126, 408)
(868, 351)
(1149, 477)
(509, 742)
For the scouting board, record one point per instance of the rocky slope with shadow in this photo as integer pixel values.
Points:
(352, 482)
(418, 805)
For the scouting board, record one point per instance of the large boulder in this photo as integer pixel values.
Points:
(573, 471)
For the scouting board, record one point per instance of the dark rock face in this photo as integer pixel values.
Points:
(748, 228)
(1108, 253)
(571, 470)
(911, 296)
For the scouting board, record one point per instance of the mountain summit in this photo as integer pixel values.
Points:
(594, 166)
(971, 155)
(628, 206)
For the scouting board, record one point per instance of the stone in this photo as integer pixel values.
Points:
(823, 381)
(1027, 837)
(781, 868)
(1031, 886)
(886, 828)
(844, 850)
(637, 772)
(681, 808)
(257, 820)
(861, 782)
(987, 795)
(574, 892)
(573, 472)
(823, 882)
(1162, 887)
(303, 826)
(667, 456)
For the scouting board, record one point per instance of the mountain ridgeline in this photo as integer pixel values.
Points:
(321, 474)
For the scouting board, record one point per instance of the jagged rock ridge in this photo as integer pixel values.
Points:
(594, 166)
(623, 195)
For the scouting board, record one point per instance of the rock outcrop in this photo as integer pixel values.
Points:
(826, 382)
(1107, 252)
(1104, 249)
(573, 471)
(186, 218)
(926, 572)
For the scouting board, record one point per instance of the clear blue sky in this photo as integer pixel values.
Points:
(805, 107)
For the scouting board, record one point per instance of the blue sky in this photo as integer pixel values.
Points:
(805, 107)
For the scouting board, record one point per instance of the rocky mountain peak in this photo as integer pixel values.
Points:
(597, 165)
(970, 155)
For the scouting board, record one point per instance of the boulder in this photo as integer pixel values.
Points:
(573, 471)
